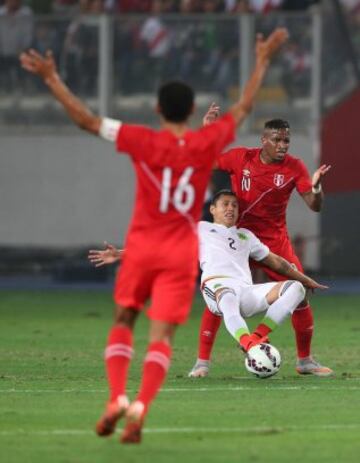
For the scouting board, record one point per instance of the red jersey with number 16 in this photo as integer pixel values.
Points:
(263, 190)
(172, 175)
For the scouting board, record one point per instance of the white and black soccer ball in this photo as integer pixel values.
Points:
(263, 360)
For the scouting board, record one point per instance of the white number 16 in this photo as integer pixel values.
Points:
(184, 193)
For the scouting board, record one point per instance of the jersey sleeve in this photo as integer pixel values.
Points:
(133, 139)
(228, 161)
(258, 250)
(220, 133)
(303, 181)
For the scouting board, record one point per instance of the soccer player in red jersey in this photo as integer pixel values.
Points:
(172, 169)
(263, 180)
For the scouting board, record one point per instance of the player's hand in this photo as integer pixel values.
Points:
(319, 174)
(312, 284)
(265, 49)
(107, 256)
(212, 114)
(43, 66)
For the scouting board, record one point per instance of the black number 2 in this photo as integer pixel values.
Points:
(231, 243)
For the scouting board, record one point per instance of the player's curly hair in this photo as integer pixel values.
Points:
(276, 124)
(176, 101)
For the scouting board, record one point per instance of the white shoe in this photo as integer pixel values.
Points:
(200, 369)
(309, 366)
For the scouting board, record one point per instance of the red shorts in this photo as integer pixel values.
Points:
(285, 250)
(168, 279)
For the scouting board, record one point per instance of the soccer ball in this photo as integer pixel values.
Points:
(263, 360)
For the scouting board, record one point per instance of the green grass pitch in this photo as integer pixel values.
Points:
(52, 390)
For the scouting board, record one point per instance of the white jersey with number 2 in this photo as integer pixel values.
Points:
(226, 251)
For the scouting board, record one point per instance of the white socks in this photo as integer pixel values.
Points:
(229, 306)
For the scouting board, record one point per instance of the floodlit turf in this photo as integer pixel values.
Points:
(52, 390)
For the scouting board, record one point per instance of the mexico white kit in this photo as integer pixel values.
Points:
(224, 260)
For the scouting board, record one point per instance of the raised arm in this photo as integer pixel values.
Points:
(265, 50)
(282, 266)
(314, 198)
(45, 68)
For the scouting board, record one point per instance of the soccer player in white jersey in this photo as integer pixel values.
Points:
(226, 281)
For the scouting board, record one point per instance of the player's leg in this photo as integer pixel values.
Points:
(155, 368)
(172, 294)
(282, 300)
(209, 327)
(222, 296)
(302, 319)
(131, 291)
(118, 354)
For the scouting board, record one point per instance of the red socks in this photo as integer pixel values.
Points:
(303, 324)
(156, 365)
(208, 329)
(118, 354)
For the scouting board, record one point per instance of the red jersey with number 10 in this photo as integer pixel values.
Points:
(172, 175)
(263, 190)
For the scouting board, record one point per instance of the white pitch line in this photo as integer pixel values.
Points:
(187, 389)
(191, 430)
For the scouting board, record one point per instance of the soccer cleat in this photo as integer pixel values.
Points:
(309, 366)
(248, 341)
(114, 411)
(200, 369)
(134, 422)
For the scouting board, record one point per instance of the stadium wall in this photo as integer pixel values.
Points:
(75, 190)
(340, 222)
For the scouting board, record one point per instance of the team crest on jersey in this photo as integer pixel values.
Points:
(242, 236)
(279, 179)
(245, 182)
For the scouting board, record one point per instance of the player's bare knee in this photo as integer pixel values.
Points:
(125, 316)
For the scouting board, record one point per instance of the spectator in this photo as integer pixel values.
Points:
(129, 6)
(297, 73)
(16, 35)
(81, 48)
(237, 6)
(264, 6)
(297, 5)
(157, 39)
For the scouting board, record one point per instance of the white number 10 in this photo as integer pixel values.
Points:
(184, 194)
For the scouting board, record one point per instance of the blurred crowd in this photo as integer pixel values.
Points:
(201, 50)
(167, 6)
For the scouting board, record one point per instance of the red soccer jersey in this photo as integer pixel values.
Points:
(263, 190)
(172, 175)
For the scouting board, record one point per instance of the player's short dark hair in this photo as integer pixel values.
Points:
(276, 124)
(218, 194)
(176, 100)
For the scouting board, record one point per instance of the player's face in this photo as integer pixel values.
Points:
(225, 211)
(275, 144)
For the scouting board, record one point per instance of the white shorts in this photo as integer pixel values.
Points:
(251, 298)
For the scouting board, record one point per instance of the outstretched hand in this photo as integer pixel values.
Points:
(312, 284)
(318, 175)
(107, 256)
(43, 66)
(265, 49)
(212, 114)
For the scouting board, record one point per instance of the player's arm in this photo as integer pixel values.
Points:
(314, 198)
(109, 255)
(45, 68)
(282, 266)
(265, 50)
